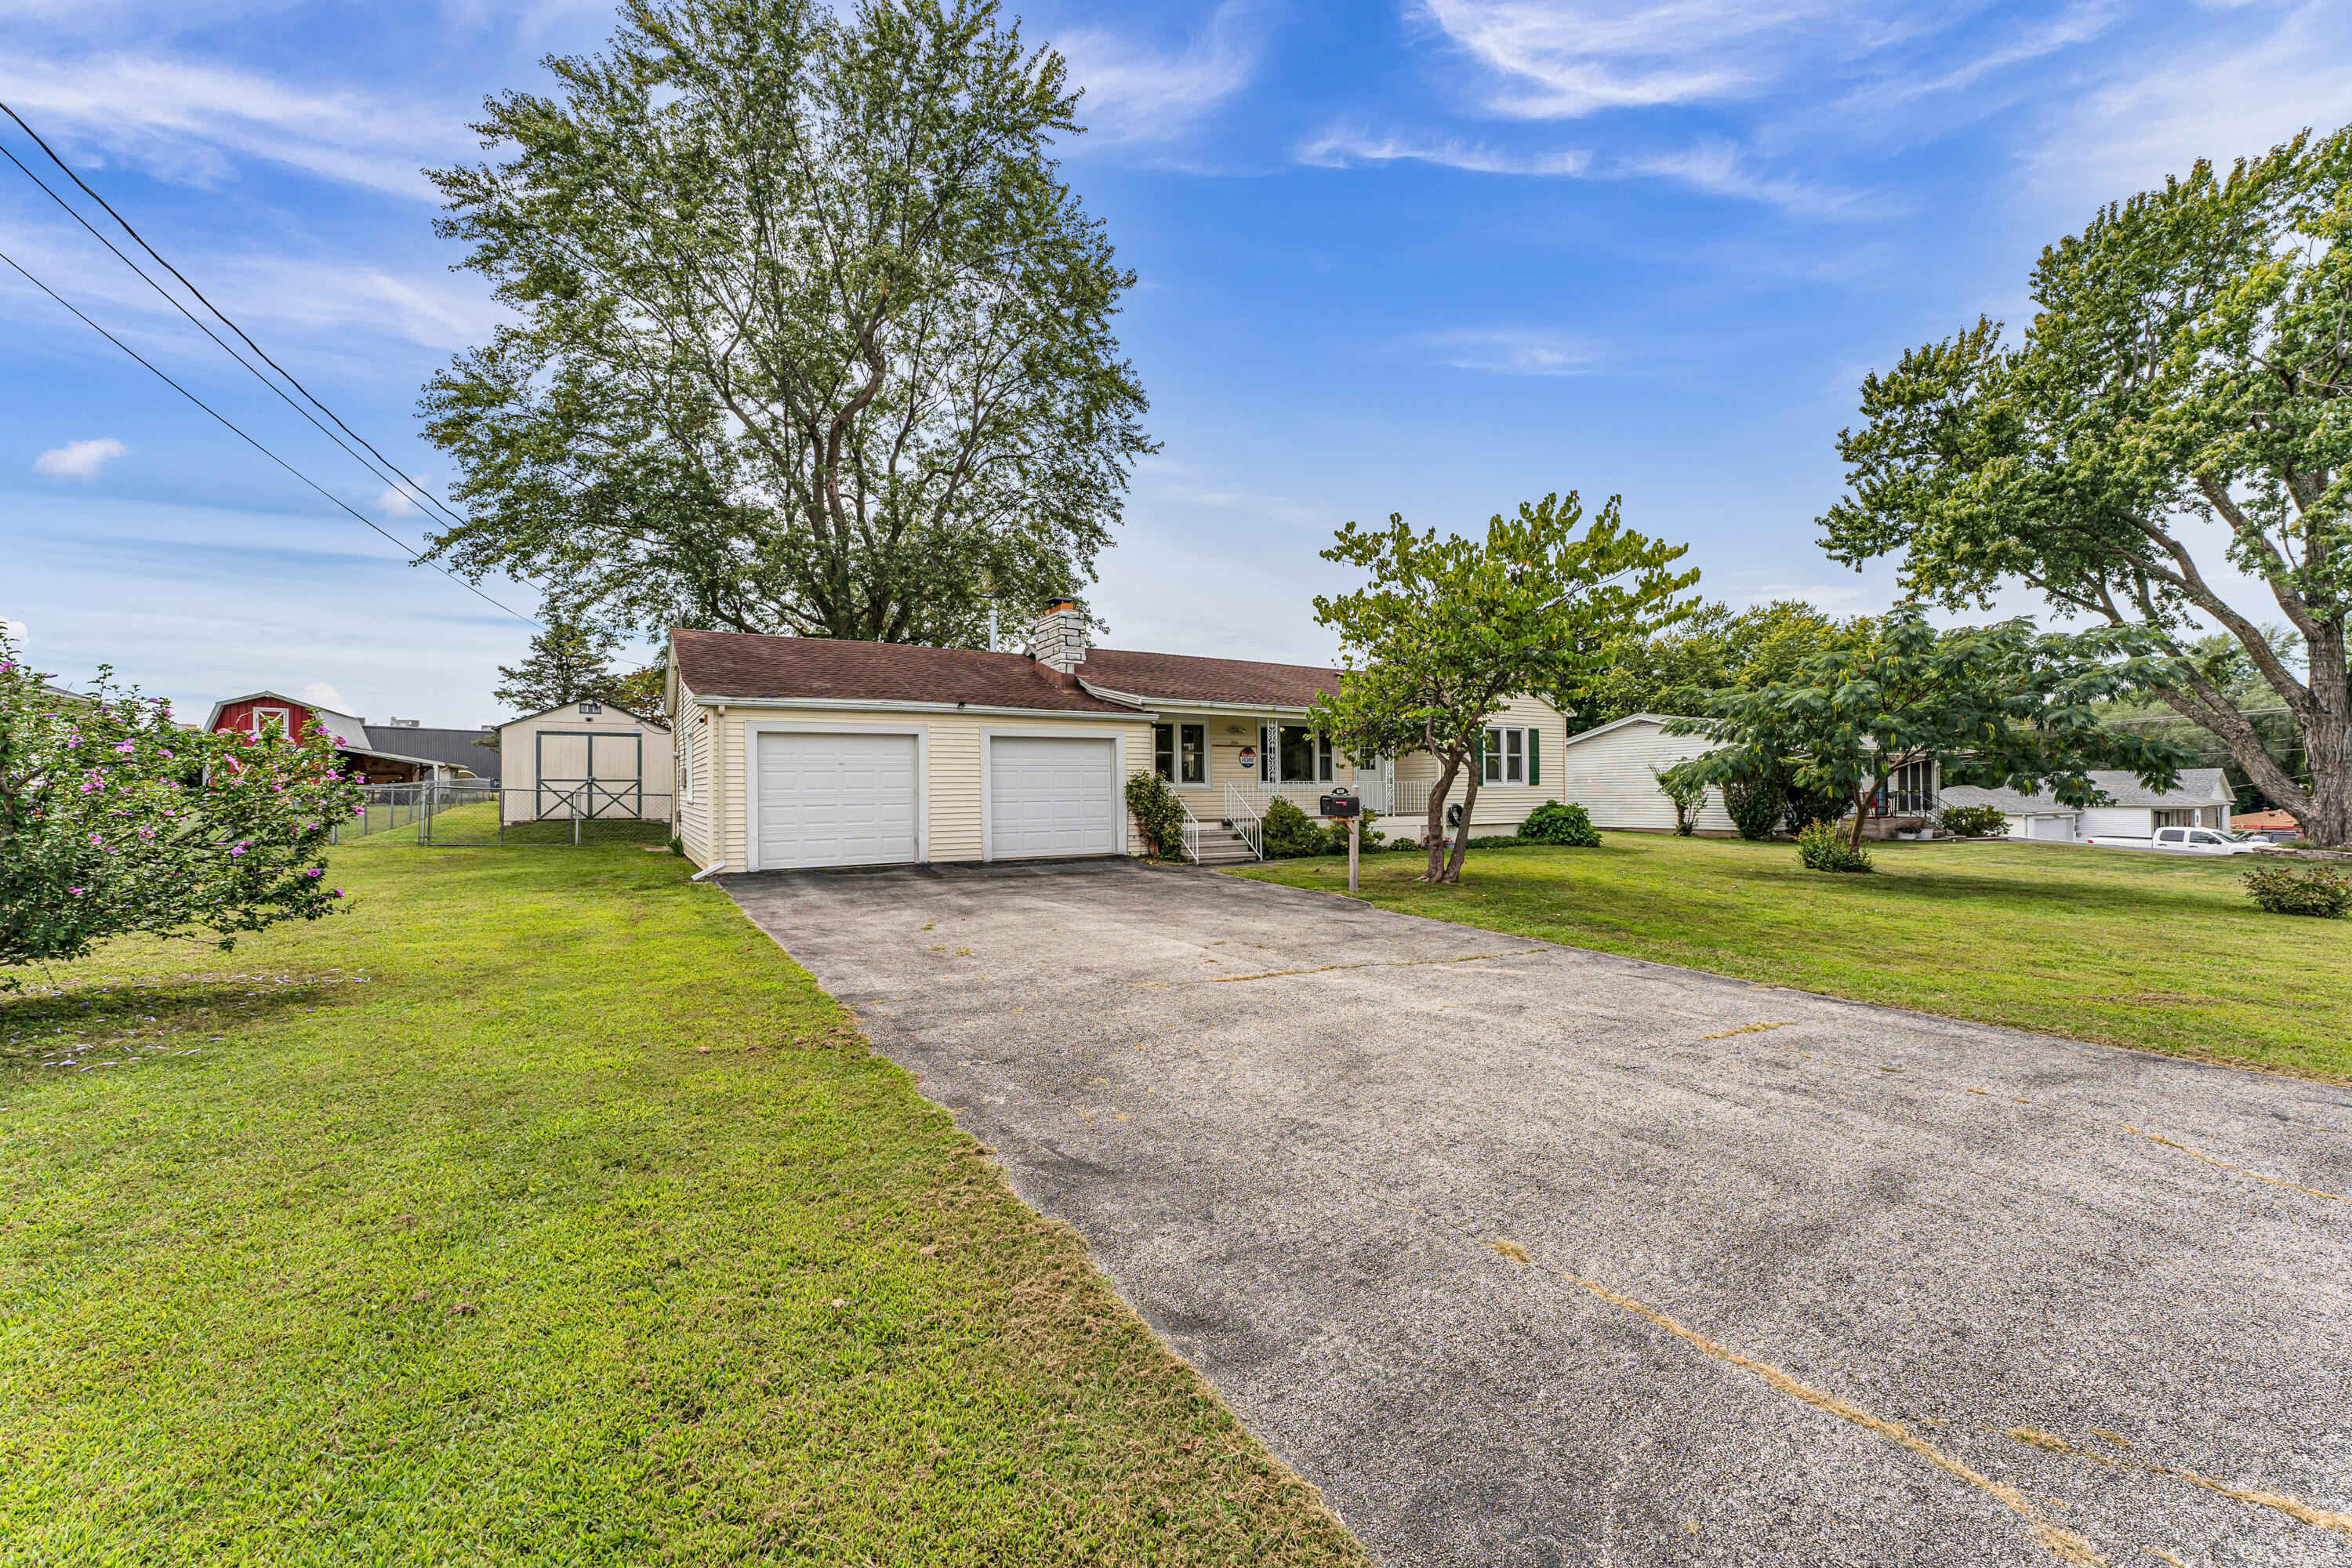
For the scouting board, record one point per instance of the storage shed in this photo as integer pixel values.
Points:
(584, 760)
(1612, 772)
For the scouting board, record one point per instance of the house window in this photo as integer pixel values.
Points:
(1179, 753)
(1910, 791)
(1306, 755)
(1506, 757)
(2176, 819)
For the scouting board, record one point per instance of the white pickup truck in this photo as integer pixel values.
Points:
(2188, 841)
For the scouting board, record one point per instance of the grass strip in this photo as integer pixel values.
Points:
(539, 1210)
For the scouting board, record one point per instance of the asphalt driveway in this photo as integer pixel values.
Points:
(1531, 1256)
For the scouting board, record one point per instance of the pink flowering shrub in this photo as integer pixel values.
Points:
(113, 819)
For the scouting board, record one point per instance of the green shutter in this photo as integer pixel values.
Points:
(1535, 772)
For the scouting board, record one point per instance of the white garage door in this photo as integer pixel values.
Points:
(843, 799)
(1047, 795)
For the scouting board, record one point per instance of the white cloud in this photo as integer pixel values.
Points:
(189, 121)
(80, 460)
(2156, 117)
(394, 503)
(1339, 148)
(1565, 60)
(1723, 169)
(16, 632)
(319, 694)
(1516, 352)
(1136, 93)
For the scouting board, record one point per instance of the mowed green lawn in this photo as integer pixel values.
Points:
(539, 1210)
(2132, 949)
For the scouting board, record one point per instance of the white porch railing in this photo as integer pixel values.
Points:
(1192, 831)
(1247, 817)
(1376, 794)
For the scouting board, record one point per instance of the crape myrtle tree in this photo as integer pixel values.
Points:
(809, 335)
(114, 820)
(2001, 707)
(1446, 628)
(2180, 406)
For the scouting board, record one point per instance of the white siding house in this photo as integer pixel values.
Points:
(1612, 772)
(2201, 799)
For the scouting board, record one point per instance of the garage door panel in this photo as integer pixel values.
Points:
(1052, 796)
(840, 798)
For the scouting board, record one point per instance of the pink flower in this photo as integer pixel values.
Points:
(235, 851)
(77, 892)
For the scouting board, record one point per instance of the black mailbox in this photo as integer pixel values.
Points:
(1342, 804)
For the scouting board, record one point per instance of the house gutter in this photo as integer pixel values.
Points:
(856, 705)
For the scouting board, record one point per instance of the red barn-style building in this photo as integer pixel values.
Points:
(381, 753)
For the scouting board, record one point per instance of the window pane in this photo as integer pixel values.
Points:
(1492, 756)
(1195, 753)
(1297, 752)
(1325, 758)
(1514, 755)
(1163, 750)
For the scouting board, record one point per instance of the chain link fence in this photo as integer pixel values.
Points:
(480, 814)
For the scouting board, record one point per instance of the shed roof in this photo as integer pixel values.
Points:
(450, 748)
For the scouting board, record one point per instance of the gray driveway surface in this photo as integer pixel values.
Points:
(1531, 1256)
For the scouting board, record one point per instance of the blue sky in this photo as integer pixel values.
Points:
(1436, 257)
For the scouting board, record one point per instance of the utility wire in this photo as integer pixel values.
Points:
(356, 516)
(399, 481)
(387, 473)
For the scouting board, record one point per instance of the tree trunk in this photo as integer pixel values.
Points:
(1434, 835)
(1461, 833)
(1861, 800)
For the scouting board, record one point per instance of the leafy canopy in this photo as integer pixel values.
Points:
(569, 661)
(1447, 628)
(115, 820)
(2003, 707)
(1715, 650)
(809, 334)
(2186, 378)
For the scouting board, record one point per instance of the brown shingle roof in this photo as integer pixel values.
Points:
(742, 664)
(1180, 677)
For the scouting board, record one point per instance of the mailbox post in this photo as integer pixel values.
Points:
(1341, 806)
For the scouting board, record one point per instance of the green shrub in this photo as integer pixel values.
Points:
(1756, 805)
(1973, 821)
(1803, 807)
(2315, 888)
(1291, 833)
(1158, 813)
(1552, 823)
(1822, 848)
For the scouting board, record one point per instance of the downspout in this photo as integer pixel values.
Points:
(718, 797)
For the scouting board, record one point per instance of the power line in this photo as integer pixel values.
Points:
(392, 478)
(398, 481)
(233, 429)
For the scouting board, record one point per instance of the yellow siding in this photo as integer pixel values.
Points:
(953, 741)
(1502, 808)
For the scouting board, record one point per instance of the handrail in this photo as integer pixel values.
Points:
(1191, 830)
(1246, 821)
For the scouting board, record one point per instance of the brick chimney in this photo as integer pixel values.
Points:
(1058, 640)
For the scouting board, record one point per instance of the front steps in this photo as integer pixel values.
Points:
(1221, 846)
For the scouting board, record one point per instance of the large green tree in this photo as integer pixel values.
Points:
(1717, 649)
(809, 335)
(1447, 628)
(570, 660)
(2001, 706)
(2180, 407)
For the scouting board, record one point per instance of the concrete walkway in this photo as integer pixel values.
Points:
(1531, 1256)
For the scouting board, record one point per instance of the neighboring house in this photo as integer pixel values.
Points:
(393, 760)
(2201, 799)
(800, 751)
(583, 760)
(2277, 825)
(1612, 772)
